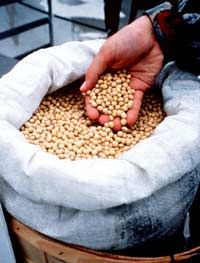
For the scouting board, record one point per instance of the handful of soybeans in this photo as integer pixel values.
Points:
(60, 125)
(112, 95)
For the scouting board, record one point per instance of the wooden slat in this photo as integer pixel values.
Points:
(32, 253)
(41, 249)
(70, 253)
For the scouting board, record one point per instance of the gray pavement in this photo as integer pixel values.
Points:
(6, 250)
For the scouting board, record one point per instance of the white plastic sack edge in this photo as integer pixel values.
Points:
(86, 184)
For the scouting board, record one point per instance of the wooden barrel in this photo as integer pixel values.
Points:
(33, 247)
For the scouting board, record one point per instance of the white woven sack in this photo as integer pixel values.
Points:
(85, 191)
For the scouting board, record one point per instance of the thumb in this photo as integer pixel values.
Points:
(96, 69)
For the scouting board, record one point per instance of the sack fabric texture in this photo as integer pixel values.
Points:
(142, 195)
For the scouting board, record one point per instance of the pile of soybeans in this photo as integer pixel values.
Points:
(61, 127)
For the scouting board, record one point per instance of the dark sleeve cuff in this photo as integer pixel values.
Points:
(166, 21)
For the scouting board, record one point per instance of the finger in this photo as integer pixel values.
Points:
(132, 114)
(139, 86)
(103, 119)
(92, 112)
(96, 69)
(117, 124)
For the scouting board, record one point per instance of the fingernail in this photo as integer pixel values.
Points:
(83, 86)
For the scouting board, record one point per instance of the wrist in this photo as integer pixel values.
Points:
(166, 21)
(142, 28)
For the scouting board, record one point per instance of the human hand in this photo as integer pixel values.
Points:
(133, 48)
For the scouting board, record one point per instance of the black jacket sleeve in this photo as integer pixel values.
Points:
(177, 27)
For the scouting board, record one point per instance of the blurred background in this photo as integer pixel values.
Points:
(31, 24)
(24, 25)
